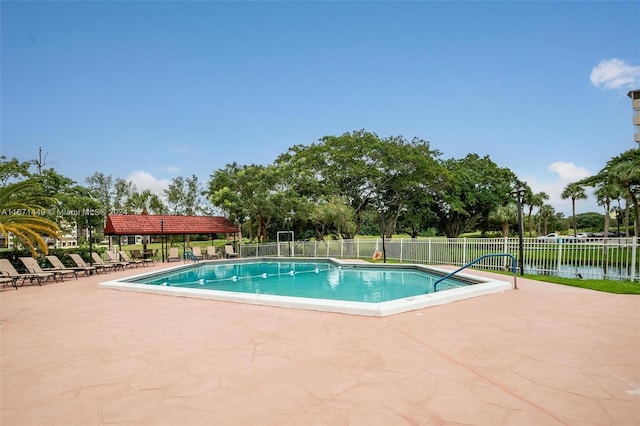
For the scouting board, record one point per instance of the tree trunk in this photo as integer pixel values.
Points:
(575, 222)
(505, 229)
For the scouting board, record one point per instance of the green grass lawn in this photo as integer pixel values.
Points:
(609, 286)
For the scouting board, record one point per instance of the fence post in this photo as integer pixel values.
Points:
(559, 258)
(341, 248)
(634, 244)
(429, 251)
(401, 249)
(464, 251)
(358, 248)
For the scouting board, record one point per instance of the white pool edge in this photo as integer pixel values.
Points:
(484, 286)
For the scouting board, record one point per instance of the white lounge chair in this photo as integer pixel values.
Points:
(101, 264)
(87, 269)
(197, 252)
(59, 266)
(113, 259)
(212, 253)
(32, 266)
(174, 254)
(229, 251)
(8, 270)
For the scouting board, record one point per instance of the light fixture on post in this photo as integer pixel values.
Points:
(519, 194)
(89, 224)
(383, 210)
(287, 220)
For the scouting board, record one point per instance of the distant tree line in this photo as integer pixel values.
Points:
(341, 186)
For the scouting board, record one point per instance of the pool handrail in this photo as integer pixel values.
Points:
(513, 267)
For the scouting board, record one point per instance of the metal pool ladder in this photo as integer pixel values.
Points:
(513, 267)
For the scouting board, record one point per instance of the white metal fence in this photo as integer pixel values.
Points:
(613, 258)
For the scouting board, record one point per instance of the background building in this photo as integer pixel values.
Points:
(635, 102)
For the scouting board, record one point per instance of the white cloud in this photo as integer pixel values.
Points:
(568, 172)
(564, 173)
(614, 74)
(143, 180)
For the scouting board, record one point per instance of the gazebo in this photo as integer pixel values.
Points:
(164, 225)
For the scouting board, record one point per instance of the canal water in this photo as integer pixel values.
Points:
(586, 272)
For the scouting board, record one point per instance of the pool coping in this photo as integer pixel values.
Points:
(481, 286)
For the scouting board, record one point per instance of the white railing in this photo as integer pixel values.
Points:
(613, 258)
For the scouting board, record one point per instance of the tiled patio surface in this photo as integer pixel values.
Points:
(73, 354)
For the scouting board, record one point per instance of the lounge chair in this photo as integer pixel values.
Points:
(8, 270)
(6, 280)
(138, 255)
(113, 259)
(229, 251)
(126, 258)
(197, 252)
(59, 266)
(174, 254)
(99, 263)
(88, 269)
(32, 266)
(211, 253)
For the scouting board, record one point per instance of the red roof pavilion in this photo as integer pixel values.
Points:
(135, 224)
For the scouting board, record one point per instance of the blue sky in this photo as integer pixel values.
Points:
(148, 91)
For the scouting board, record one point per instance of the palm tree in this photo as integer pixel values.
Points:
(545, 214)
(145, 202)
(576, 192)
(24, 217)
(504, 215)
(606, 193)
(623, 171)
(535, 200)
(628, 175)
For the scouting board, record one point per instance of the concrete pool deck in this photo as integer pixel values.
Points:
(545, 354)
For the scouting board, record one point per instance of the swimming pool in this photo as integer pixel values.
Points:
(318, 284)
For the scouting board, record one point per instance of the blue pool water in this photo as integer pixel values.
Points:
(317, 280)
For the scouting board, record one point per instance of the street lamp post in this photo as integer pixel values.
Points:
(162, 238)
(518, 194)
(288, 222)
(382, 232)
(89, 223)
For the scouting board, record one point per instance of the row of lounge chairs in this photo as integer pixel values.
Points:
(59, 271)
(195, 253)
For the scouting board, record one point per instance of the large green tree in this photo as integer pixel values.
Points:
(366, 171)
(185, 196)
(253, 192)
(332, 215)
(475, 187)
(13, 170)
